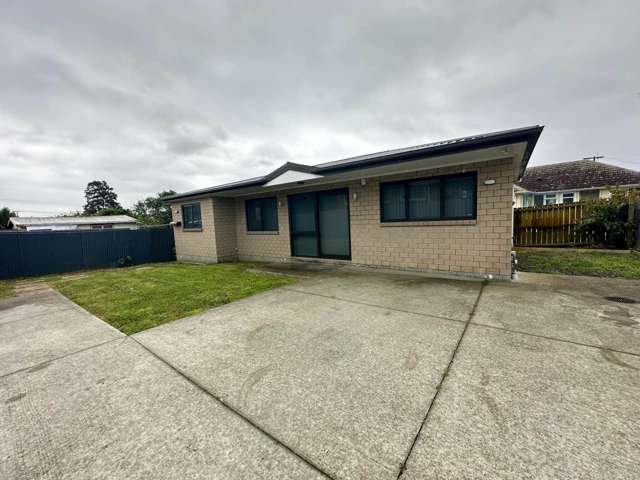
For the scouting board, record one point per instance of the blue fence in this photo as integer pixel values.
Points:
(24, 254)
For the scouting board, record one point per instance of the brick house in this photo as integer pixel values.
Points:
(571, 182)
(441, 207)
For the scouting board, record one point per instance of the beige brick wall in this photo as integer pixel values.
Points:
(476, 247)
(194, 245)
(224, 215)
(270, 246)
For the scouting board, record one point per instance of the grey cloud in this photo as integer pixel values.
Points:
(182, 95)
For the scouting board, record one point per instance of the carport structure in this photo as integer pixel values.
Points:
(342, 375)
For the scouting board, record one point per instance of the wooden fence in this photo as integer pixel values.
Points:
(550, 225)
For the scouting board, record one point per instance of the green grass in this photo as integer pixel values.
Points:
(137, 298)
(577, 262)
(7, 289)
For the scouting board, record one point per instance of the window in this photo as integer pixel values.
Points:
(549, 198)
(262, 214)
(568, 197)
(191, 219)
(451, 197)
(527, 200)
(589, 195)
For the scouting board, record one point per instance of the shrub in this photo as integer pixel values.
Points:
(125, 261)
(608, 220)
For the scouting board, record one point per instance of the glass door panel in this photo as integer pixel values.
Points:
(304, 225)
(333, 220)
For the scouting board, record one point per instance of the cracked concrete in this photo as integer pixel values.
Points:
(339, 376)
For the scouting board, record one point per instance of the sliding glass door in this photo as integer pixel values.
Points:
(303, 219)
(319, 223)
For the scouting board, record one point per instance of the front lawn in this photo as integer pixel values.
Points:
(579, 262)
(136, 298)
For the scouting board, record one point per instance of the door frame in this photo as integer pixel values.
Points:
(317, 194)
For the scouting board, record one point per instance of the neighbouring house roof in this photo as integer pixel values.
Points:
(526, 135)
(97, 220)
(581, 174)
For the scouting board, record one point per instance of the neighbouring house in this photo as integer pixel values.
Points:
(439, 207)
(73, 223)
(571, 182)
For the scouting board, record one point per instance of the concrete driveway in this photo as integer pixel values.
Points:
(342, 375)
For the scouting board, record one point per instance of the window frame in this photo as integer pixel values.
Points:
(594, 193)
(573, 198)
(550, 196)
(473, 175)
(528, 200)
(261, 229)
(197, 228)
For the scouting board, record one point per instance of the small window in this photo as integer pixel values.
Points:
(589, 195)
(191, 218)
(262, 214)
(549, 198)
(568, 197)
(538, 200)
(451, 197)
(527, 200)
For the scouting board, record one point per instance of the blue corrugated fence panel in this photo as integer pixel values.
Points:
(25, 254)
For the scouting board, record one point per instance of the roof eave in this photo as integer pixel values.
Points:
(529, 135)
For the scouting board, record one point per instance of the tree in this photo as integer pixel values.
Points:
(608, 221)
(99, 196)
(114, 211)
(5, 214)
(153, 210)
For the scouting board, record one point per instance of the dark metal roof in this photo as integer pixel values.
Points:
(576, 175)
(529, 135)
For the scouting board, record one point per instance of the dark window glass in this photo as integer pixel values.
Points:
(589, 195)
(262, 214)
(538, 200)
(437, 198)
(269, 214)
(393, 202)
(424, 199)
(459, 198)
(254, 215)
(304, 225)
(191, 216)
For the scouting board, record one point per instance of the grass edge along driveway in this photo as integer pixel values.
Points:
(137, 298)
(570, 261)
(7, 289)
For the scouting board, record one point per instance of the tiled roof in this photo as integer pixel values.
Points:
(576, 175)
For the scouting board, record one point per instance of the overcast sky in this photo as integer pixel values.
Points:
(182, 95)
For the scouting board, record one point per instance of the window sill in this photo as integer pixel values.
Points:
(431, 223)
(263, 232)
(192, 229)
